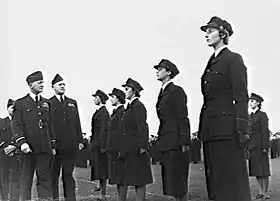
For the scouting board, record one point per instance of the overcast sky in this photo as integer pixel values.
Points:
(99, 44)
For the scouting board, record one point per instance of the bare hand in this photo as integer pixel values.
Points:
(244, 139)
(9, 149)
(25, 148)
(81, 146)
(185, 148)
(142, 151)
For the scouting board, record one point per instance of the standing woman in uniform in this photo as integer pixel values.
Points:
(99, 122)
(134, 143)
(224, 125)
(259, 146)
(173, 141)
(114, 138)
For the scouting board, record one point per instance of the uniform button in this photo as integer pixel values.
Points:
(39, 113)
(204, 106)
(206, 93)
(205, 82)
(208, 70)
(123, 134)
(38, 106)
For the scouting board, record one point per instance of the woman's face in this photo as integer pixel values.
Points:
(253, 103)
(213, 37)
(129, 93)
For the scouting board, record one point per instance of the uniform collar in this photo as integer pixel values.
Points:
(217, 51)
(34, 95)
(253, 111)
(99, 106)
(165, 84)
(58, 97)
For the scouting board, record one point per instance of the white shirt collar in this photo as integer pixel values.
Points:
(58, 96)
(165, 84)
(253, 110)
(34, 95)
(10, 117)
(130, 101)
(99, 106)
(217, 51)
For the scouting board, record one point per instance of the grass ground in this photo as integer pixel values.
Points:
(197, 188)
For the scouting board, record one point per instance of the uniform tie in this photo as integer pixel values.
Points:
(61, 98)
(37, 98)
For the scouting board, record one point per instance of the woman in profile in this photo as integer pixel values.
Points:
(259, 147)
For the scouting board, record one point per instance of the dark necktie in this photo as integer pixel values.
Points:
(37, 98)
(160, 92)
(61, 98)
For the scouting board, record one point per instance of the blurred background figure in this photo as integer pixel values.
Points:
(274, 145)
(9, 159)
(195, 148)
(259, 166)
(83, 155)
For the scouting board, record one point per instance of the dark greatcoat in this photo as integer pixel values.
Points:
(259, 146)
(113, 146)
(135, 135)
(98, 141)
(173, 133)
(33, 123)
(9, 164)
(225, 114)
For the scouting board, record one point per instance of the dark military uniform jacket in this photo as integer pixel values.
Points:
(224, 89)
(99, 123)
(114, 129)
(5, 134)
(134, 128)
(172, 111)
(32, 123)
(259, 131)
(67, 124)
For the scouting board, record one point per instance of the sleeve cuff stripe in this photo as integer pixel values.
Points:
(19, 139)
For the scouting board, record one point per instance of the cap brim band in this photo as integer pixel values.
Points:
(205, 27)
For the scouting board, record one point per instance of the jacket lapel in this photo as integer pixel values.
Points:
(219, 56)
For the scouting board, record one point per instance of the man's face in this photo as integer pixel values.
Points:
(162, 73)
(213, 37)
(97, 100)
(114, 100)
(128, 92)
(253, 103)
(37, 86)
(10, 110)
(59, 88)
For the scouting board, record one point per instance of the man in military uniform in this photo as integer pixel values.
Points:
(224, 122)
(9, 159)
(69, 139)
(173, 133)
(32, 127)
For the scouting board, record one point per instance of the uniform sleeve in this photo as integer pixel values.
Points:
(264, 131)
(140, 114)
(51, 128)
(104, 118)
(18, 135)
(182, 116)
(238, 75)
(78, 126)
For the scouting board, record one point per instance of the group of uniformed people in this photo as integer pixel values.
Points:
(275, 145)
(47, 134)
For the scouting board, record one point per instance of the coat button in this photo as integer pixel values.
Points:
(205, 82)
(39, 113)
(208, 70)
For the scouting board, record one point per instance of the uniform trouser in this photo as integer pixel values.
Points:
(226, 171)
(9, 177)
(40, 164)
(65, 161)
